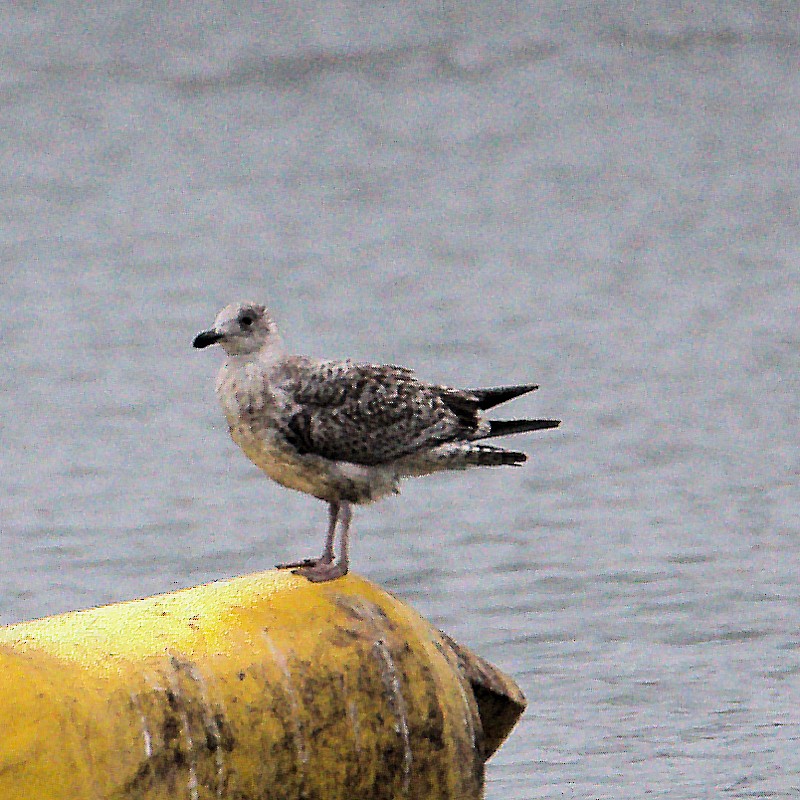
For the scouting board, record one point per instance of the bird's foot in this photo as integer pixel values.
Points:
(321, 571)
(325, 558)
(306, 562)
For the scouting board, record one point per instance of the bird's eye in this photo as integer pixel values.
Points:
(245, 321)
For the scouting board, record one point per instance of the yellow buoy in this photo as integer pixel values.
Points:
(264, 686)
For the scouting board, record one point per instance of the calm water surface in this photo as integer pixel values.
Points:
(600, 200)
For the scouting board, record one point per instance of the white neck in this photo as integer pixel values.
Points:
(269, 353)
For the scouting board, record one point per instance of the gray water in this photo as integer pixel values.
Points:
(601, 200)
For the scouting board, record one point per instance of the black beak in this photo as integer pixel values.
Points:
(206, 338)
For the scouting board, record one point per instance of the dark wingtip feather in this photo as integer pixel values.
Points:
(506, 427)
(489, 398)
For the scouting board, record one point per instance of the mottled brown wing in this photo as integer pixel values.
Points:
(370, 413)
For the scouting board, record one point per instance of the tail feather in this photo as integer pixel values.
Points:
(460, 455)
(489, 398)
(505, 427)
(484, 455)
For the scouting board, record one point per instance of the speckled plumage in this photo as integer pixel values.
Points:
(372, 413)
(346, 432)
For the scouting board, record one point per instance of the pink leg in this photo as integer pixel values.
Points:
(322, 572)
(327, 553)
(333, 515)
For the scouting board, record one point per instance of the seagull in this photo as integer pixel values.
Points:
(343, 431)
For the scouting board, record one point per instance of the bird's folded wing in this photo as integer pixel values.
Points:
(366, 413)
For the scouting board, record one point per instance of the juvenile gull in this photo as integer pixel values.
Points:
(346, 432)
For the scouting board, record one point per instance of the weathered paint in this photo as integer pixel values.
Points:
(264, 686)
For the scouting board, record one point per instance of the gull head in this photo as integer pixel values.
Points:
(241, 329)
